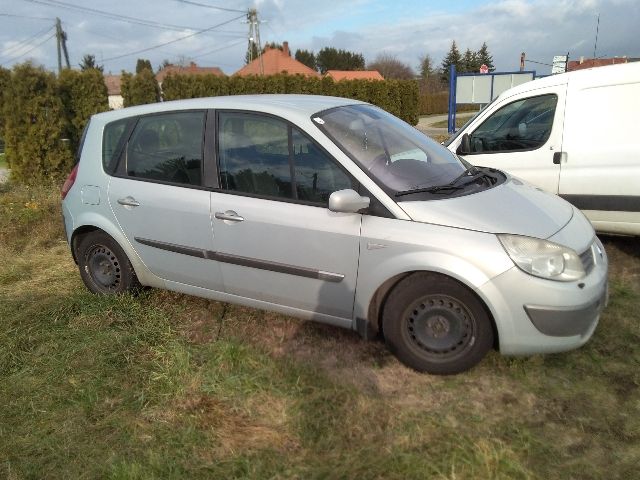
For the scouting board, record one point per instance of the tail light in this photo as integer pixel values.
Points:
(69, 182)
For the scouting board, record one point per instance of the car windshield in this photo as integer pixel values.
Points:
(396, 155)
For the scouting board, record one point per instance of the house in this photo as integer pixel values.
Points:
(191, 69)
(274, 61)
(594, 62)
(113, 91)
(338, 75)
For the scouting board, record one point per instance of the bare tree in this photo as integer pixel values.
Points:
(391, 68)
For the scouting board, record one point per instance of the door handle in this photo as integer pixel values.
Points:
(230, 216)
(128, 202)
(559, 157)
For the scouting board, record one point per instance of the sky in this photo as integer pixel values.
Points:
(120, 31)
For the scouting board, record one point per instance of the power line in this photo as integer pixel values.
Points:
(212, 6)
(218, 49)
(112, 16)
(50, 19)
(25, 43)
(30, 50)
(172, 41)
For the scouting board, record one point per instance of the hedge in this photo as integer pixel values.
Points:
(399, 97)
(139, 89)
(43, 118)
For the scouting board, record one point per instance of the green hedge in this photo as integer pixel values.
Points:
(43, 118)
(139, 89)
(399, 97)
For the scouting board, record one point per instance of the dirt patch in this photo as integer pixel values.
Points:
(624, 257)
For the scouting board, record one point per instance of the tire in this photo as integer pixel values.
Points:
(104, 267)
(434, 324)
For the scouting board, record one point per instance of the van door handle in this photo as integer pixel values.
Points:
(558, 157)
(128, 202)
(230, 216)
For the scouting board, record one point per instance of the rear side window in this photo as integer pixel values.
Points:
(521, 125)
(111, 140)
(167, 148)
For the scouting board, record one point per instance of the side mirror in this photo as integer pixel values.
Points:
(347, 201)
(465, 145)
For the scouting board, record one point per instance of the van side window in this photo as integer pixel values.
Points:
(167, 148)
(265, 156)
(521, 125)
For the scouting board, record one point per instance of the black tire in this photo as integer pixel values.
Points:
(104, 267)
(434, 324)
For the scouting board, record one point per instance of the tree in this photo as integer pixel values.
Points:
(88, 62)
(35, 126)
(143, 64)
(426, 67)
(307, 57)
(139, 89)
(484, 57)
(165, 63)
(469, 62)
(83, 93)
(452, 58)
(391, 68)
(330, 58)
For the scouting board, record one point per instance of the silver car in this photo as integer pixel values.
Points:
(332, 210)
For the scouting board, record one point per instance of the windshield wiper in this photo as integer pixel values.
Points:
(472, 171)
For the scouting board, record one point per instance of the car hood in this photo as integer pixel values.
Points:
(515, 207)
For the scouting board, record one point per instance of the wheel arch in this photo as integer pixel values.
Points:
(381, 294)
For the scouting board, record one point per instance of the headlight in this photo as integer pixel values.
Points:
(543, 258)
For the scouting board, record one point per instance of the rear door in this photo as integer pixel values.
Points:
(523, 136)
(275, 237)
(158, 198)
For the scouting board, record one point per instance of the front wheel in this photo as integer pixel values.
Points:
(104, 267)
(434, 324)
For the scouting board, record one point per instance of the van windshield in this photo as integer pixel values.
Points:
(394, 154)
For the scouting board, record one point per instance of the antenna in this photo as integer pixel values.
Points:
(595, 46)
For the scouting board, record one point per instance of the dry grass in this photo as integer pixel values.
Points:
(165, 385)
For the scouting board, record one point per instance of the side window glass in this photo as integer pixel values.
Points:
(168, 148)
(521, 125)
(111, 138)
(316, 175)
(254, 154)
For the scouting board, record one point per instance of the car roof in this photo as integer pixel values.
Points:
(284, 105)
(610, 74)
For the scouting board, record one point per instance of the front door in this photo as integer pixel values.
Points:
(158, 199)
(523, 137)
(274, 236)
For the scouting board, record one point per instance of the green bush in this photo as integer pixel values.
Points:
(35, 126)
(399, 97)
(83, 93)
(139, 89)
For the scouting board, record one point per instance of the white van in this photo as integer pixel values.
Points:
(574, 134)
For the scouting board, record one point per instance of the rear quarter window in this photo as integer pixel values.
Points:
(112, 140)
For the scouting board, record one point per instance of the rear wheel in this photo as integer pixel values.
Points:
(434, 324)
(104, 267)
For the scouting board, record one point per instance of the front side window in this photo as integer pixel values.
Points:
(265, 156)
(521, 125)
(167, 148)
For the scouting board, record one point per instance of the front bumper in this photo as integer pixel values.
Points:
(535, 315)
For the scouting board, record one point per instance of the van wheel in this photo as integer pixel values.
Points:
(434, 324)
(104, 267)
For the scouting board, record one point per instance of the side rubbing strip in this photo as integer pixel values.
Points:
(244, 261)
(615, 203)
(171, 247)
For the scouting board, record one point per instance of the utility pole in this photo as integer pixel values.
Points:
(254, 36)
(61, 42)
(595, 46)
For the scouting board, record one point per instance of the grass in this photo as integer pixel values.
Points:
(3, 161)
(163, 385)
